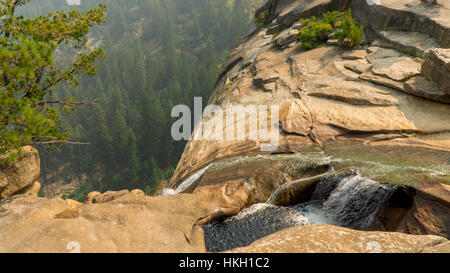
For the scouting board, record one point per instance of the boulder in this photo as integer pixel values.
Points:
(437, 69)
(332, 239)
(295, 192)
(138, 192)
(20, 175)
(91, 196)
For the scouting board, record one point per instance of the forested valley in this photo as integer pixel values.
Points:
(159, 53)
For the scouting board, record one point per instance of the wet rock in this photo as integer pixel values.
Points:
(263, 174)
(295, 192)
(251, 224)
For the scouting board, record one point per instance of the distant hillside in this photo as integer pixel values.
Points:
(160, 53)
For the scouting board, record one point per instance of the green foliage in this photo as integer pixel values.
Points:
(316, 31)
(261, 19)
(332, 17)
(29, 74)
(349, 32)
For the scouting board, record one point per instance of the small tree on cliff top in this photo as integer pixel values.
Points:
(29, 112)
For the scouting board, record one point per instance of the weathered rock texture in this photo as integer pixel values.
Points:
(129, 223)
(422, 208)
(437, 68)
(21, 176)
(331, 239)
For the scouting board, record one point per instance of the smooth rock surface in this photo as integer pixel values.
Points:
(331, 239)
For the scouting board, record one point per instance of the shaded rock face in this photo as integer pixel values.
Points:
(21, 176)
(423, 208)
(332, 239)
(437, 68)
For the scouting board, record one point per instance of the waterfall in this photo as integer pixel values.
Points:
(346, 200)
(353, 202)
(186, 183)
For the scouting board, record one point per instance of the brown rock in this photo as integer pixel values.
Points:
(354, 54)
(423, 208)
(73, 204)
(20, 175)
(437, 69)
(109, 196)
(138, 192)
(295, 192)
(441, 248)
(223, 200)
(91, 196)
(32, 190)
(332, 239)
(68, 214)
(130, 224)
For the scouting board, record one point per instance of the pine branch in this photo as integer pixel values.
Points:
(57, 142)
(58, 101)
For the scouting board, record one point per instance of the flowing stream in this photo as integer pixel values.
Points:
(349, 201)
(186, 183)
